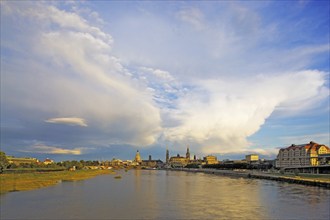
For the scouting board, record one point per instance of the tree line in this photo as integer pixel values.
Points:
(247, 166)
(4, 164)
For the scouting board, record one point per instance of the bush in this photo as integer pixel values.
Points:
(227, 166)
(192, 166)
(3, 161)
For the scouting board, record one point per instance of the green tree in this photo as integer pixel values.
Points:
(12, 166)
(3, 161)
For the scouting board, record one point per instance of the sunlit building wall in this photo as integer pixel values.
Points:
(178, 161)
(210, 159)
(21, 160)
(301, 155)
(137, 157)
(252, 158)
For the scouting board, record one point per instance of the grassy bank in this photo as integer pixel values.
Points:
(322, 180)
(305, 179)
(32, 170)
(304, 176)
(28, 181)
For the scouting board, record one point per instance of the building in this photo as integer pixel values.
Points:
(21, 160)
(152, 163)
(137, 157)
(210, 159)
(167, 156)
(48, 161)
(196, 160)
(188, 154)
(311, 154)
(127, 163)
(178, 161)
(116, 162)
(252, 158)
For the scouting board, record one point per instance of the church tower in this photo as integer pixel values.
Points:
(137, 157)
(188, 154)
(167, 156)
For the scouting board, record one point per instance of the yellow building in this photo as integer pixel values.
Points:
(210, 159)
(252, 158)
(137, 157)
(301, 155)
(152, 163)
(178, 161)
(21, 160)
(48, 161)
(116, 162)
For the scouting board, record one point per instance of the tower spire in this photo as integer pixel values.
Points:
(137, 157)
(167, 155)
(188, 153)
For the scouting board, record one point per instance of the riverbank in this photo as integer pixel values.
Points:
(305, 179)
(10, 182)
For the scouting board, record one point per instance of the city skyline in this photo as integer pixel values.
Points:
(97, 80)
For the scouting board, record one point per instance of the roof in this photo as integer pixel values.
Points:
(157, 161)
(311, 146)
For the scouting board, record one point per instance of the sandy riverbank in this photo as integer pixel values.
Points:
(28, 181)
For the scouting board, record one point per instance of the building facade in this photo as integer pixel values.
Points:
(210, 159)
(252, 158)
(302, 155)
(22, 160)
(152, 163)
(188, 154)
(48, 161)
(178, 161)
(137, 158)
(167, 156)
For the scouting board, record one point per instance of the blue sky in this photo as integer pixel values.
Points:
(102, 79)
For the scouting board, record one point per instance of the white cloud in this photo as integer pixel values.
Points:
(192, 16)
(70, 63)
(220, 115)
(40, 148)
(321, 138)
(270, 152)
(67, 20)
(68, 121)
(204, 86)
(161, 74)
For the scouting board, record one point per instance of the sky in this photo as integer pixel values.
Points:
(97, 80)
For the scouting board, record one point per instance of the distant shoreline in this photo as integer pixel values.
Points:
(299, 179)
(11, 182)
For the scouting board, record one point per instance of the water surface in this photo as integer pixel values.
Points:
(159, 194)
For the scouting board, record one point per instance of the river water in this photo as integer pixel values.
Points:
(160, 194)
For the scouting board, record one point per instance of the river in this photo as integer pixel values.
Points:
(160, 194)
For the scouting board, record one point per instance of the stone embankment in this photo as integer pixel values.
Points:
(294, 179)
(260, 175)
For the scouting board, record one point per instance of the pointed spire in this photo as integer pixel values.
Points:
(137, 157)
(188, 153)
(167, 155)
